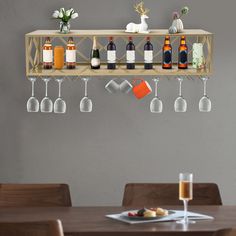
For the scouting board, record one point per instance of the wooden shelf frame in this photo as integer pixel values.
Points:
(34, 42)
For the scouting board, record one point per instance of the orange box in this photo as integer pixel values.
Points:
(59, 57)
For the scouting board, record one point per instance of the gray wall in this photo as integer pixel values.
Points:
(121, 141)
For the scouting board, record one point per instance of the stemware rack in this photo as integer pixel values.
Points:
(83, 39)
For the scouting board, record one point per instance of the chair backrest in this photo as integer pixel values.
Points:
(34, 195)
(151, 194)
(40, 228)
(225, 232)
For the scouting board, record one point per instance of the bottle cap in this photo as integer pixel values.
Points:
(130, 38)
(148, 38)
(110, 38)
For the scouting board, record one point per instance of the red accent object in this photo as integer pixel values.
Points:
(142, 89)
(148, 38)
(130, 38)
(110, 38)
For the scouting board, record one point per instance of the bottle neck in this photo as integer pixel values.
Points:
(94, 43)
(182, 41)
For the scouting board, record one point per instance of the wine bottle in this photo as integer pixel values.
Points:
(111, 54)
(148, 55)
(167, 54)
(70, 54)
(183, 54)
(95, 56)
(130, 54)
(47, 54)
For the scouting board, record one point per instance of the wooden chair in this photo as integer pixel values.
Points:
(34, 195)
(43, 228)
(148, 194)
(225, 232)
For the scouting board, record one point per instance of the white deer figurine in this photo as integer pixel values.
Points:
(143, 26)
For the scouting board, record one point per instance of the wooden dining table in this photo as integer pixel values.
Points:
(91, 221)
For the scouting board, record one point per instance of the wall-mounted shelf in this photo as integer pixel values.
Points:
(83, 38)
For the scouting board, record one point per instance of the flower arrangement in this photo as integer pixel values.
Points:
(177, 24)
(65, 16)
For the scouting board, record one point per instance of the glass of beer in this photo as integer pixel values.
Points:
(185, 194)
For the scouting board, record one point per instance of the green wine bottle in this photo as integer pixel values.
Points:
(95, 56)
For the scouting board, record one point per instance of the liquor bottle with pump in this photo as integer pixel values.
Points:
(111, 54)
(167, 54)
(70, 54)
(130, 54)
(47, 54)
(95, 56)
(148, 55)
(183, 54)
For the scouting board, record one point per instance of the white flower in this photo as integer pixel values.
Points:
(74, 15)
(68, 12)
(62, 9)
(55, 14)
(61, 14)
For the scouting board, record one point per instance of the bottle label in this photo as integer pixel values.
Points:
(70, 55)
(167, 57)
(47, 56)
(148, 56)
(111, 56)
(183, 57)
(130, 56)
(95, 62)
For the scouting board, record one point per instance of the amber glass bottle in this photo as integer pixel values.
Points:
(70, 54)
(183, 54)
(47, 54)
(167, 54)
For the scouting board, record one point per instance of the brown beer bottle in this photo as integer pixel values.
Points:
(47, 54)
(70, 54)
(167, 54)
(183, 54)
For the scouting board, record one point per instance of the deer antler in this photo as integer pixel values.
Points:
(140, 8)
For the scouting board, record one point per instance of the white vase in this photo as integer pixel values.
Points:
(178, 24)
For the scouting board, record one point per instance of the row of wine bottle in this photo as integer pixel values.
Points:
(111, 54)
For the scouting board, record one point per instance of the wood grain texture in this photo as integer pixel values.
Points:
(149, 194)
(225, 232)
(40, 228)
(91, 221)
(34, 195)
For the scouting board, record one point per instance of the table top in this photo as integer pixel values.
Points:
(92, 221)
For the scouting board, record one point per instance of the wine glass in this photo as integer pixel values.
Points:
(59, 104)
(205, 102)
(33, 102)
(86, 104)
(156, 105)
(180, 102)
(185, 194)
(46, 104)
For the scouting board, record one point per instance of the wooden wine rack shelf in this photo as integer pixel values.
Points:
(83, 38)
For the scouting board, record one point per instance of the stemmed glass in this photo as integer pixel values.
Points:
(180, 102)
(46, 104)
(205, 102)
(32, 103)
(185, 194)
(156, 105)
(59, 104)
(86, 104)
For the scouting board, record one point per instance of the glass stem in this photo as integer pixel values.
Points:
(59, 92)
(204, 88)
(32, 84)
(180, 88)
(185, 211)
(46, 89)
(156, 88)
(85, 88)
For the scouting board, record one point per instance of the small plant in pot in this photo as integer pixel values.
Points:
(65, 16)
(177, 24)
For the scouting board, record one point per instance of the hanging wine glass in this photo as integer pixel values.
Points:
(86, 104)
(32, 103)
(59, 104)
(46, 104)
(180, 102)
(205, 102)
(156, 105)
